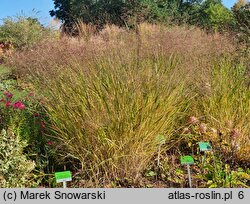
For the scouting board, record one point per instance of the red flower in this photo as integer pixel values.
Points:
(43, 124)
(8, 94)
(18, 105)
(36, 115)
(8, 103)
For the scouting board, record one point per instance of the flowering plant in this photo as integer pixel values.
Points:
(26, 118)
(8, 114)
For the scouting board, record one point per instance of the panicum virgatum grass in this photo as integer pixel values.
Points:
(109, 97)
(108, 115)
(225, 104)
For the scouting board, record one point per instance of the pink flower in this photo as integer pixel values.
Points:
(193, 120)
(235, 133)
(8, 94)
(203, 128)
(18, 105)
(31, 94)
(50, 143)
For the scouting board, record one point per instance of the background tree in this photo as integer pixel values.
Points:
(218, 17)
(209, 14)
(241, 11)
(98, 12)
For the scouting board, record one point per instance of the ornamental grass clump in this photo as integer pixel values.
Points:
(227, 108)
(108, 115)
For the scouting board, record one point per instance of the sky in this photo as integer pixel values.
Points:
(26, 7)
(18, 7)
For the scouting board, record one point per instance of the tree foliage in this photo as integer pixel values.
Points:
(98, 12)
(217, 17)
(241, 11)
(208, 14)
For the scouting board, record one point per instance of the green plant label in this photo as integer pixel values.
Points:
(205, 146)
(63, 176)
(186, 160)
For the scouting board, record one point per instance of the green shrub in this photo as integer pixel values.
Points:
(22, 32)
(15, 168)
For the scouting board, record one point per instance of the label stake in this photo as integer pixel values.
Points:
(63, 177)
(189, 176)
(205, 147)
(188, 160)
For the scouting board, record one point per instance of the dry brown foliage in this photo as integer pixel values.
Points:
(194, 48)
